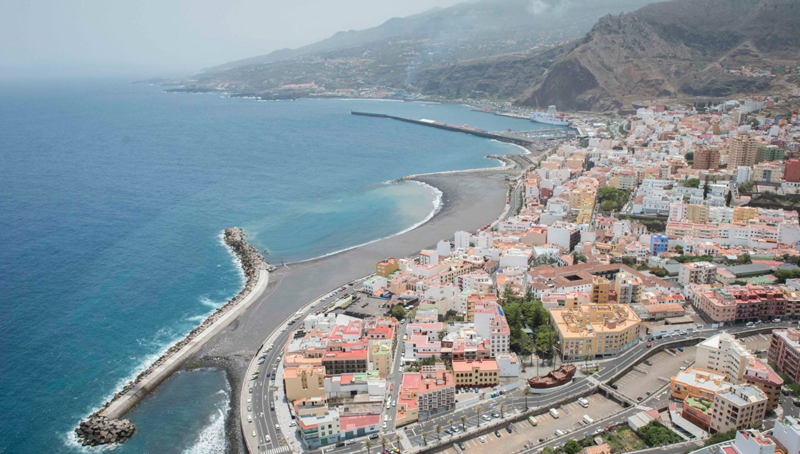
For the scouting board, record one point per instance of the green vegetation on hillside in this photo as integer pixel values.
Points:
(656, 434)
(612, 199)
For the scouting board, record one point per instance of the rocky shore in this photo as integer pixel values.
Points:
(99, 429)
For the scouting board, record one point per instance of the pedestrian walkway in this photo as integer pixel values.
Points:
(278, 450)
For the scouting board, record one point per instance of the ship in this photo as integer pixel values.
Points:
(555, 377)
(550, 117)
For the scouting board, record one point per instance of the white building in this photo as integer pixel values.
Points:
(697, 273)
(787, 432)
(724, 354)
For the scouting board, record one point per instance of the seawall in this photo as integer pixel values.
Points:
(256, 271)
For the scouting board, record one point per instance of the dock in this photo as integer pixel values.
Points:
(522, 138)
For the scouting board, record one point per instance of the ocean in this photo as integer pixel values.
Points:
(114, 197)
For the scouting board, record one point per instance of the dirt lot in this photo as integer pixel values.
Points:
(643, 379)
(523, 433)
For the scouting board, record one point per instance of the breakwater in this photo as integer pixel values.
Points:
(104, 426)
(501, 137)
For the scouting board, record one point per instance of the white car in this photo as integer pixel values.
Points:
(277, 426)
(482, 439)
(384, 425)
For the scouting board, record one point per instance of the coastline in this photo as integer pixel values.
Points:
(470, 200)
(91, 431)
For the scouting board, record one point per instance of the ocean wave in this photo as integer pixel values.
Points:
(212, 439)
(437, 206)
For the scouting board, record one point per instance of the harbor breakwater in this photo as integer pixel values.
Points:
(105, 426)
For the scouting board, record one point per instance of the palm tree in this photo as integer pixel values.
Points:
(526, 392)
(502, 411)
(439, 432)
(478, 411)
(384, 442)
(450, 424)
(397, 439)
(425, 438)
(368, 445)
(463, 423)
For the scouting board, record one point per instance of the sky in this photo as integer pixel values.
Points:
(51, 38)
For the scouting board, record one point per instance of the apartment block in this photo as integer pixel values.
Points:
(476, 373)
(739, 407)
(424, 394)
(304, 382)
(697, 273)
(784, 352)
(742, 151)
(694, 381)
(759, 374)
(724, 354)
(706, 158)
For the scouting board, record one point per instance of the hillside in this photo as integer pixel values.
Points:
(677, 48)
(391, 54)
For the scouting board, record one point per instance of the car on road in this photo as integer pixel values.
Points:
(447, 432)
(251, 390)
(349, 442)
(374, 437)
(249, 409)
(614, 386)
(454, 429)
(277, 427)
(495, 415)
(497, 433)
(340, 444)
(649, 345)
(560, 432)
(485, 417)
(272, 407)
(267, 439)
(385, 425)
(254, 433)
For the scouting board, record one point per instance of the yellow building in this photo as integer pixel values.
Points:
(600, 288)
(380, 355)
(587, 329)
(386, 267)
(304, 382)
(476, 373)
(697, 214)
(744, 214)
(697, 382)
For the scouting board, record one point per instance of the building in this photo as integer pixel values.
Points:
(664, 310)
(386, 267)
(750, 442)
(698, 411)
(490, 323)
(586, 329)
(476, 373)
(317, 424)
(792, 171)
(784, 352)
(724, 354)
(770, 153)
(706, 158)
(758, 373)
(742, 151)
(697, 382)
(787, 433)
(739, 407)
(697, 214)
(564, 235)
(346, 362)
(304, 382)
(659, 242)
(697, 273)
(425, 394)
(767, 172)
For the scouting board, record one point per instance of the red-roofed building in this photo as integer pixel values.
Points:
(757, 372)
(426, 393)
(476, 373)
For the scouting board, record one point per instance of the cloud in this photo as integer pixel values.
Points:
(537, 7)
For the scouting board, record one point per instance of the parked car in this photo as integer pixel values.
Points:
(497, 433)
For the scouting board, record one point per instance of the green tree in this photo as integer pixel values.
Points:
(368, 445)
(656, 434)
(689, 156)
(545, 339)
(728, 198)
(384, 442)
(463, 422)
(548, 450)
(478, 411)
(679, 249)
(782, 275)
(719, 437)
(746, 188)
(692, 183)
(572, 447)
(425, 438)
(508, 295)
(438, 432)
(398, 312)
(744, 259)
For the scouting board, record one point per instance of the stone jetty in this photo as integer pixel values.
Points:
(99, 430)
(104, 425)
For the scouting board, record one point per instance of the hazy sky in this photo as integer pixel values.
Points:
(171, 37)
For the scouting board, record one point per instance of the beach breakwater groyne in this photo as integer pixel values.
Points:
(105, 426)
(447, 127)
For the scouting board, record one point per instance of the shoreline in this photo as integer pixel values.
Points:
(92, 430)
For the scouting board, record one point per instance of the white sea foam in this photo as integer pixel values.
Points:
(437, 206)
(212, 439)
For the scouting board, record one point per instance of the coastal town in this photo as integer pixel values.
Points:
(644, 292)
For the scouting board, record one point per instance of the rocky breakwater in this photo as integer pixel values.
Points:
(104, 425)
(99, 430)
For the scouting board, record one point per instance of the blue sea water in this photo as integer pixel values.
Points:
(113, 197)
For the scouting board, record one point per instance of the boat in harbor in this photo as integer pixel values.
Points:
(555, 377)
(550, 117)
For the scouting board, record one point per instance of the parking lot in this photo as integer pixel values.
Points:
(646, 378)
(364, 306)
(756, 342)
(570, 419)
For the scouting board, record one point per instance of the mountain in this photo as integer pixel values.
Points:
(681, 48)
(391, 54)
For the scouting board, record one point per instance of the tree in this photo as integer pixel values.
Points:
(572, 447)
(744, 259)
(450, 424)
(442, 334)
(526, 392)
(384, 442)
(782, 275)
(706, 188)
(508, 295)
(548, 450)
(679, 249)
(746, 188)
(689, 156)
(719, 437)
(397, 439)
(691, 183)
(502, 411)
(463, 422)
(728, 198)
(656, 434)
(478, 411)
(545, 339)
(425, 438)
(438, 430)
(398, 312)
(368, 445)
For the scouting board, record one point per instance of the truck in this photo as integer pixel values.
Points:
(554, 413)
(534, 422)
(588, 419)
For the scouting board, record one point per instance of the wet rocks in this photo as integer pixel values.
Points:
(99, 430)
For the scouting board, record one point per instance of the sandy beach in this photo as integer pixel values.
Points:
(470, 201)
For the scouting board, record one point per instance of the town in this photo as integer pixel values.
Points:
(644, 294)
